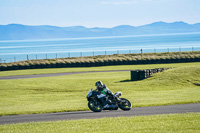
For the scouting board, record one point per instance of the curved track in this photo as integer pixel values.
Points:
(53, 74)
(169, 109)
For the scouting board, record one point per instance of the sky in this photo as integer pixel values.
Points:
(98, 13)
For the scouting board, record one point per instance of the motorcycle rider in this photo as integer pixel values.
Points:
(104, 92)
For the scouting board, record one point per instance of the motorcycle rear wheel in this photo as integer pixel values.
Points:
(93, 107)
(125, 104)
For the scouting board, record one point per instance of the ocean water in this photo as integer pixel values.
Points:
(18, 50)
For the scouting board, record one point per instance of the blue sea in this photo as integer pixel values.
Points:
(18, 50)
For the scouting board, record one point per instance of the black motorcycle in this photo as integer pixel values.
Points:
(96, 105)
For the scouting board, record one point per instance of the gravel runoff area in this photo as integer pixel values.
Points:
(139, 111)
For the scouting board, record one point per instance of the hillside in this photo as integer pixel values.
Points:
(23, 32)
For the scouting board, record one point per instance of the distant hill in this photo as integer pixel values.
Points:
(23, 32)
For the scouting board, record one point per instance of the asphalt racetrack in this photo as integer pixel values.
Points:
(53, 74)
(153, 110)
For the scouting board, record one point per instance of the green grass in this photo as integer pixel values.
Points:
(82, 69)
(68, 93)
(172, 123)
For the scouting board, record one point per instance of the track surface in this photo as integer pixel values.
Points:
(169, 109)
(53, 74)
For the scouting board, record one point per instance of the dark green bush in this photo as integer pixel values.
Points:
(110, 62)
(68, 63)
(115, 62)
(9, 67)
(92, 63)
(106, 62)
(53, 64)
(163, 60)
(82, 63)
(15, 67)
(26, 65)
(3, 67)
(73, 64)
(43, 65)
(48, 64)
(78, 64)
(21, 65)
(173, 59)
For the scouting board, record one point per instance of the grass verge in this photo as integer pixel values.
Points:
(179, 123)
(68, 93)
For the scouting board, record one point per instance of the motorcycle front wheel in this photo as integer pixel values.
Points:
(95, 106)
(125, 104)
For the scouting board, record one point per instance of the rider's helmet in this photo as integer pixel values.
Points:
(99, 85)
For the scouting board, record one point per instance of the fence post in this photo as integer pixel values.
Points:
(14, 59)
(68, 54)
(141, 52)
(27, 57)
(46, 56)
(36, 56)
(56, 55)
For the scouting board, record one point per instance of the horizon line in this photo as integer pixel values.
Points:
(100, 26)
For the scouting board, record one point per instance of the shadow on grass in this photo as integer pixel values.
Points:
(127, 80)
(197, 84)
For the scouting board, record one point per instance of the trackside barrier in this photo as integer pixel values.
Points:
(143, 74)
